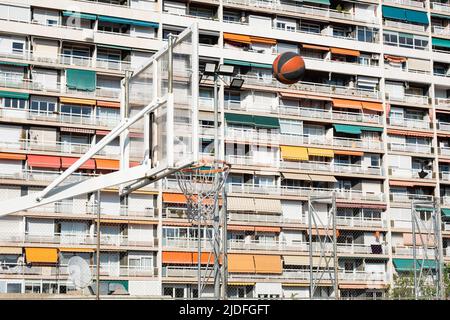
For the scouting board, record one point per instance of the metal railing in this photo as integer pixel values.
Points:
(410, 3)
(408, 197)
(410, 98)
(409, 123)
(410, 147)
(403, 25)
(410, 173)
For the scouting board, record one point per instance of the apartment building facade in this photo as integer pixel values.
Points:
(369, 121)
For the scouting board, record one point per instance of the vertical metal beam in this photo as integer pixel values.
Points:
(98, 245)
(311, 268)
(216, 218)
(440, 254)
(335, 258)
(413, 221)
(224, 245)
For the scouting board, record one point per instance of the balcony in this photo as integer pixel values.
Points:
(405, 223)
(400, 250)
(409, 3)
(409, 197)
(409, 123)
(410, 147)
(443, 7)
(68, 60)
(442, 102)
(39, 88)
(409, 99)
(444, 176)
(350, 195)
(60, 118)
(264, 218)
(360, 222)
(410, 173)
(312, 87)
(440, 31)
(405, 26)
(301, 10)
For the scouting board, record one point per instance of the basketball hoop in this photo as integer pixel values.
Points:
(201, 183)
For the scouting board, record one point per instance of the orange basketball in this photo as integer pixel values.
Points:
(288, 67)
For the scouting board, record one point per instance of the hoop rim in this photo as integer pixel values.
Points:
(210, 164)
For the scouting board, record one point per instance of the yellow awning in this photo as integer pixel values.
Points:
(77, 101)
(321, 152)
(10, 250)
(294, 153)
(41, 255)
(241, 283)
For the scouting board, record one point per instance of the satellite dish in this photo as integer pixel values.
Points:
(79, 272)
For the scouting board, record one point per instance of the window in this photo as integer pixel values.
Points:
(365, 34)
(17, 47)
(374, 160)
(42, 107)
(14, 103)
(76, 110)
(51, 22)
(309, 28)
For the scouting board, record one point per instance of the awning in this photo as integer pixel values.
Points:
(128, 21)
(266, 122)
(349, 129)
(268, 205)
(244, 119)
(16, 64)
(413, 16)
(242, 171)
(345, 52)
(41, 255)
(296, 95)
(405, 264)
(263, 40)
(107, 164)
(84, 80)
(295, 176)
(44, 161)
(76, 250)
(361, 205)
(419, 17)
(240, 228)
(304, 261)
(348, 104)
(324, 2)
(294, 153)
(77, 130)
(205, 258)
(174, 257)
(240, 204)
(441, 16)
(268, 264)
(174, 198)
(395, 59)
(373, 106)
(239, 38)
(66, 162)
(268, 229)
(446, 212)
(437, 42)
(88, 102)
(314, 47)
(410, 133)
(398, 183)
(321, 178)
(321, 152)
(241, 263)
(108, 104)
(12, 156)
(241, 283)
(349, 153)
(14, 95)
(10, 250)
(85, 16)
(247, 64)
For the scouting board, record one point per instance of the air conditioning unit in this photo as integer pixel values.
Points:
(88, 34)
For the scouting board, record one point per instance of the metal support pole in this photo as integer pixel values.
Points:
(224, 246)
(98, 246)
(335, 258)
(216, 219)
(199, 254)
(311, 268)
(413, 220)
(440, 254)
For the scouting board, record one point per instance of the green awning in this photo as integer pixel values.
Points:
(247, 64)
(266, 122)
(405, 264)
(419, 17)
(442, 16)
(413, 16)
(374, 129)
(325, 2)
(80, 15)
(17, 64)
(446, 212)
(427, 209)
(344, 128)
(14, 95)
(113, 284)
(428, 264)
(85, 80)
(244, 119)
(440, 42)
(393, 13)
(128, 21)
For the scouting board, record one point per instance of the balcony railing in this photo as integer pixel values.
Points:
(438, 6)
(410, 3)
(43, 176)
(313, 87)
(444, 151)
(442, 102)
(408, 197)
(403, 25)
(410, 147)
(361, 222)
(409, 123)
(409, 173)
(409, 98)
(438, 30)
(444, 126)
(408, 251)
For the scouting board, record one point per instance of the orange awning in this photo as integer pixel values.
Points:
(360, 205)
(345, 52)
(303, 96)
(263, 40)
(394, 58)
(373, 106)
(173, 257)
(66, 162)
(398, 183)
(241, 263)
(12, 156)
(44, 161)
(410, 133)
(268, 264)
(314, 47)
(239, 38)
(88, 102)
(108, 104)
(174, 198)
(240, 228)
(350, 104)
(41, 255)
(349, 153)
(102, 132)
(107, 164)
(267, 229)
(177, 224)
(205, 258)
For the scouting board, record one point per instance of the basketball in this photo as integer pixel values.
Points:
(288, 67)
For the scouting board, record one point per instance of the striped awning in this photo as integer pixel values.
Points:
(268, 205)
